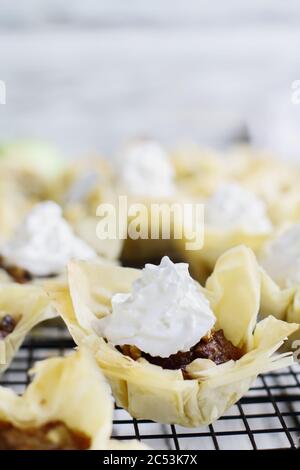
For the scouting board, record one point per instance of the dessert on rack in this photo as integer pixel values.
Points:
(68, 406)
(42, 246)
(172, 350)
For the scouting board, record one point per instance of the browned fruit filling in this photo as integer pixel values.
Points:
(214, 347)
(19, 275)
(51, 436)
(7, 326)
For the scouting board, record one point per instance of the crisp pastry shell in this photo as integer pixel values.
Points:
(276, 182)
(147, 248)
(284, 304)
(29, 305)
(70, 390)
(215, 243)
(84, 218)
(13, 205)
(285, 208)
(82, 214)
(150, 392)
(199, 171)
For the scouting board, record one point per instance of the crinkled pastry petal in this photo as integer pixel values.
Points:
(234, 292)
(215, 243)
(29, 305)
(284, 304)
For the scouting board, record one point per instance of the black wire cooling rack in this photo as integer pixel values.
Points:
(267, 417)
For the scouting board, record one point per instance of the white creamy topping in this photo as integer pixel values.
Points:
(232, 206)
(281, 258)
(144, 169)
(44, 243)
(166, 312)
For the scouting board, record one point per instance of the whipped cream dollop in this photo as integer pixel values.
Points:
(166, 312)
(144, 169)
(281, 258)
(44, 242)
(233, 206)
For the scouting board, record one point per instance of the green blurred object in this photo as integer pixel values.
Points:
(33, 156)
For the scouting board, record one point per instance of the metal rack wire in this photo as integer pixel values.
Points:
(267, 417)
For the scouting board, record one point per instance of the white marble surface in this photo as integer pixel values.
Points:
(89, 74)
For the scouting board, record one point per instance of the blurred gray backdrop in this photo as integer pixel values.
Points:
(88, 74)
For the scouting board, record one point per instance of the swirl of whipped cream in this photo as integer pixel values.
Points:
(144, 169)
(44, 242)
(232, 207)
(166, 312)
(281, 257)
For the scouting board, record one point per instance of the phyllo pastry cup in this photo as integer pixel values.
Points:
(284, 303)
(86, 214)
(233, 216)
(147, 189)
(281, 193)
(150, 392)
(146, 216)
(216, 242)
(41, 246)
(275, 181)
(21, 308)
(90, 188)
(13, 205)
(68, 406)
(199, 171)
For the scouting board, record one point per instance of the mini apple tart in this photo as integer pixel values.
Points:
(199, 171)
(21, 308)
(173, 351)
(13, 205)
(280, 261)
(232, 216)
(285, 208)
(275, 182)
(68, 406)
(145, 179)
(91, 189)
(42, 246)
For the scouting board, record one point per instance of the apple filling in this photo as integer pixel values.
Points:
(19, 275)
(215, 347)
(51, 436)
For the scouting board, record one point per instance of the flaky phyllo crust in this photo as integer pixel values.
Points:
(276, 183)
(150, 392)
(144, 219)
(84, 215)
(215, 243)
(283, 303)
(13, 205)
(199, 171)
(69, 390)
(28, 305)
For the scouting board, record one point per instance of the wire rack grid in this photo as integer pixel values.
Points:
(267, 417)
